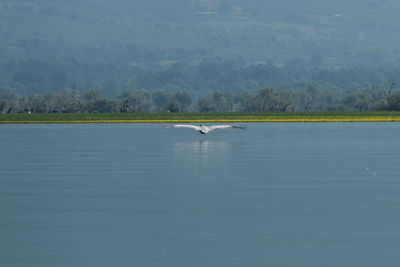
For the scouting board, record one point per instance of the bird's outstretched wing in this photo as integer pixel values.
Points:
(214, 127)
(198, 128)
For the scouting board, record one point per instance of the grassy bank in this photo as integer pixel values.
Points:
(201, 117)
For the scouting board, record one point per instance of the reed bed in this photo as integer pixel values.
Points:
(202, 117)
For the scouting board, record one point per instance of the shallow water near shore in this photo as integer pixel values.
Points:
(275, 194)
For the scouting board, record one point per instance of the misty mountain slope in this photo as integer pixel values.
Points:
(198, 46)
(255, 30)
(62, 27)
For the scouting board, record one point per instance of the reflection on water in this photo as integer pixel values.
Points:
(202, 148)
(132, 195)
(201, 160)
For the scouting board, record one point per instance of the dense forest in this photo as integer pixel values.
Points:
(148, 56)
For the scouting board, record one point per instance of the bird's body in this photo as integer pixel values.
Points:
(202, 128)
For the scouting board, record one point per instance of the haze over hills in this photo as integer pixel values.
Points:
(109, 45)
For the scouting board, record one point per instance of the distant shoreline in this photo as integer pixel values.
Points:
(201, 117)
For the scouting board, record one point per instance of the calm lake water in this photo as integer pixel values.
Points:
(276, 194)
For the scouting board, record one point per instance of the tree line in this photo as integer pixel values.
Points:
(74, 100)
(199, 79)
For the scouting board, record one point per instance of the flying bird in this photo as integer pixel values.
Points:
(202, 128)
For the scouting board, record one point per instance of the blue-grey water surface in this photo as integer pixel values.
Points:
(275, 194)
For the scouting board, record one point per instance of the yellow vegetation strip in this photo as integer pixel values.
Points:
(261, 119)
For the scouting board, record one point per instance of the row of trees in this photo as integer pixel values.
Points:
(199, 79)
(92, 101)
(268, 99)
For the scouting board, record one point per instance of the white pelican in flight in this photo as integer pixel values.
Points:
(202, 128)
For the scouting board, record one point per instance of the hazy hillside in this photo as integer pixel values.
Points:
(332, 32)
(46, 44)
